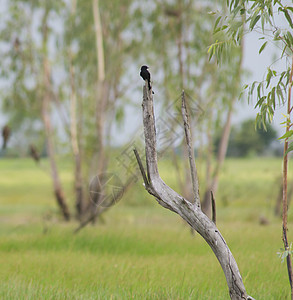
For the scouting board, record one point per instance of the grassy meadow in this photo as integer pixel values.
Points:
(140, 250)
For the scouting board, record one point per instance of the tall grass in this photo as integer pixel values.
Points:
(139, 252)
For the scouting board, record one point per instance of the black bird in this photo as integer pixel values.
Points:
(145, 74)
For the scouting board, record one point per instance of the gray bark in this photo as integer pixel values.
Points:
(190, 212)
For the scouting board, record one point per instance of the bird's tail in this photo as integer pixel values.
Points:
(149, 85)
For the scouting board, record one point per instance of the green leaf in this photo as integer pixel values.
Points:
(290, 148)
(210, 48)
(283, 51)
(252, 87)
(263, 18)
(260, 101)
(258, 90)
(290, 38)
(253, 22)
(281, 77)
(269, 76)
(217, 22)
(286, 135)
(262, 47)
(273, 97)
(280, 94)
(287, 16)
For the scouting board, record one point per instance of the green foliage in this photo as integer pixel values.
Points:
(276, 85)
(284, 253)
(246, 139)
(21, 61)
(260, 15)
(290, 148)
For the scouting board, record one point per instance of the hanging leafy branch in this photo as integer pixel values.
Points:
(271, 92)
(275, 90)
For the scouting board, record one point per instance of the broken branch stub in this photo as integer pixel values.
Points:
(190, 212)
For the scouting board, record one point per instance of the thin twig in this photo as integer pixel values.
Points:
(142, 171)
(193, 170)
(214, 213)
(147, 183)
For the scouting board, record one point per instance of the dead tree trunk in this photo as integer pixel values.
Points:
(190, 212)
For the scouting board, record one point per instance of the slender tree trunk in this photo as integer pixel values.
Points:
(285, 181)
(79, 199)
(180, 45)
(279, 201)
(60, 197)
(101, 93)
(78, 180)
(213, 181)
(101, 101)
(46, 99)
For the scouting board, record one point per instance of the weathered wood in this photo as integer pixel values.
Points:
(188, 136)
(190, 212)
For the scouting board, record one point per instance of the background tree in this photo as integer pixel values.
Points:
(246, 139)
(96, 36)
(76, 65)
(33, 88)
(276, 89)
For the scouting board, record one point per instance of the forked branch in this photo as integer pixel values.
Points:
(190, 212)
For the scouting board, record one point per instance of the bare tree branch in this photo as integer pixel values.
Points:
(189, 143)
(142, 171)
(190, 212)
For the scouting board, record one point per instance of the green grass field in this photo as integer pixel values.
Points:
(141, 250)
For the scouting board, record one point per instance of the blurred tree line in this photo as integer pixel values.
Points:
(246, 139)
(70, 71)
